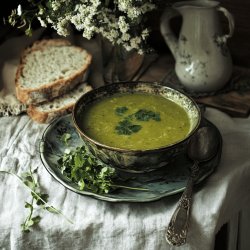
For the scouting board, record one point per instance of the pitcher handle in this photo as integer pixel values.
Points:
(166, 31)
(230, 18)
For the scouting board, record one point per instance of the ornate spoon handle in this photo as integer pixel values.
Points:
(176, 233)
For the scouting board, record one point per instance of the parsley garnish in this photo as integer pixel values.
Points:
(146, 115)
(88, 173)
(121, 110)
(126, 126)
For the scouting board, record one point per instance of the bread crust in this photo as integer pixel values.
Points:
(39, 115)
(46, 117)
(54, 89)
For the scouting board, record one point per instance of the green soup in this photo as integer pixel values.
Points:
(135, 121)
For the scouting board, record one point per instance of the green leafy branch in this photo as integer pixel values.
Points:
(84, 170)
(88, 173)
(38, 200)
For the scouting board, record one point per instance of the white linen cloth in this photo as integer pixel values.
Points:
(102, 225)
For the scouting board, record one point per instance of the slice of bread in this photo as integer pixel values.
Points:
(48, 69)
(46, 112)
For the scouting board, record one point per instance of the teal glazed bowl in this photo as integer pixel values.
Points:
(136, 161)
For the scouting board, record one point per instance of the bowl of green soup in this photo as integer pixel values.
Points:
(136, 126)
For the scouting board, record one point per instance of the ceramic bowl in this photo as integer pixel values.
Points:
(136, 161)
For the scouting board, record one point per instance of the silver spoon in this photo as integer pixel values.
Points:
(202, 146)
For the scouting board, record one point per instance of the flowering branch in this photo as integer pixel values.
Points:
(120, 21)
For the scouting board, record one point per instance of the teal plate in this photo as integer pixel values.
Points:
(166, 181)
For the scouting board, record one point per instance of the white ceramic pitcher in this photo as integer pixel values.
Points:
(203, 62)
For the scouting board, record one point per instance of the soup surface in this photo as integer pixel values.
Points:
(135, 121)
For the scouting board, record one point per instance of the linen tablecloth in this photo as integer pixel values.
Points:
(103, 225)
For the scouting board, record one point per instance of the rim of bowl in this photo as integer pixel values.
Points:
(135, 150)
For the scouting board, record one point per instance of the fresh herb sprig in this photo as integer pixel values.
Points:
(121, 110)
(146, 115)
(88, 173)
(85, 170)
(127, 127)
(39, 200)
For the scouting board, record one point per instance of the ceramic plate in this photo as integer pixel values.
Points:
(169, 180)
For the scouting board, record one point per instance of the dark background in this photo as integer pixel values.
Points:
(239, 44)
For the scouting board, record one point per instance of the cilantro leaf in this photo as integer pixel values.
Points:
(121, 110)
(36, 219)
(126, 127)
(146, 115)
(65, 138)
(86, 171)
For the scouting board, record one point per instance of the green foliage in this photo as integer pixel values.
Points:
(38, 200)
(121, 110)
(146, 115)
(86, 171)
(126, 126)
(82, 168)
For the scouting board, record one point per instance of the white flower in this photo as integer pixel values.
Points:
(123, 26)
(88, 32)
(62, 26)
(145, 34)
(135, 41)
(125, 37)
(120, 21)
(19, 10)
(55, 5)
(42, 22)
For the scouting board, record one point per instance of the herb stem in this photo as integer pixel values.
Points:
(31, 209)
(132, 188)
(33, 179)
(30, 214)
